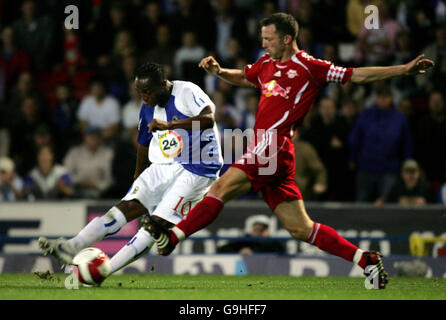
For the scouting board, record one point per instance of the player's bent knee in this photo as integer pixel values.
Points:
(300, 233)
(131, 209)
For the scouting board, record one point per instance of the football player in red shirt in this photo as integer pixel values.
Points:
(289, 80)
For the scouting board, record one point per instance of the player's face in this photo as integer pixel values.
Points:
(152, 94)
(272, 42)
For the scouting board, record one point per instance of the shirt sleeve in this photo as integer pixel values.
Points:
(196, 100)
(144, 136)
(252, 71)
(326, 71)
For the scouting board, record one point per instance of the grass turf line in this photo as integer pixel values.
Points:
(219, 287)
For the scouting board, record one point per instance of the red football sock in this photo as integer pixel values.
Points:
(199, 217)
(327, 239)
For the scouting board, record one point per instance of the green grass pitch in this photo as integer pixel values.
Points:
(219, 287)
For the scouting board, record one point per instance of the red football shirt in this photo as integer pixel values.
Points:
(289, 89)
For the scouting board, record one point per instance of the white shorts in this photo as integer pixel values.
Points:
(168, 190)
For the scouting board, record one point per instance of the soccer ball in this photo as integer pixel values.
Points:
(91, 266)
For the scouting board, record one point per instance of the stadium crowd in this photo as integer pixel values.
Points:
(69, 110)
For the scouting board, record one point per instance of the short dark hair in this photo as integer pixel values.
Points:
(285, 24)
(153, 71)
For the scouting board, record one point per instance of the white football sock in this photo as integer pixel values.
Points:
(98, 229)
(133, 250)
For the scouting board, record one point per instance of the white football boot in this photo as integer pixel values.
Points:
(57, 248)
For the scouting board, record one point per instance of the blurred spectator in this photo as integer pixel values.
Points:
(259, 228)
(123, 73)
(421, 22)
(248, 116)
(123, 45)
(411, 188)
(73, 57)
(107, 28)
(89, 165)
(64, 117)
(29, 120)
(12, 61)
(224, 112)
(404, 54)
(379, 142)
(349, 111)
(440, 11)
(149, 23)
(430, 137)
(193, 16)
(11, 185)
(377, 46)
(162, 51)
(328, 133)
(34, 35)
(100, 110)
(25, 87)
(307, 43)
(130, 111)
(123, 165)
(406, 108)
(48, 180)
(437, 52)
(231, 28)
(311, 175)
(187, 58)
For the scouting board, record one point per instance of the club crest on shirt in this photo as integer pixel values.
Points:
(175, 118)
(291, 73)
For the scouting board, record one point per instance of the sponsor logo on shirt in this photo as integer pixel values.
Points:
(272, 88)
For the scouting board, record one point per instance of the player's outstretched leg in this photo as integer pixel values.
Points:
(296, 220)
(139, 245)
(95, 231)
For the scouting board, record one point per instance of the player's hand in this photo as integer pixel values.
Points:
(210, 65)
(419, 65)
(157, 124)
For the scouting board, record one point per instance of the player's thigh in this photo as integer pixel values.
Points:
(149, 188)
(231, 184)
(179, 198)
(295, 218)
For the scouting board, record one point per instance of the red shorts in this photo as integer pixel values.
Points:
(275, 178)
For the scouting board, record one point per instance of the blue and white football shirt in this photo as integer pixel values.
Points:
(201, 151)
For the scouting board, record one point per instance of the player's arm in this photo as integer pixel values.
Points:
(205, 119)
(419, 65)
(142, 162)
(233, 76)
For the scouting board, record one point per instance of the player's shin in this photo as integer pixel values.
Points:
(98, 229)
(327, 239)
(139, 245)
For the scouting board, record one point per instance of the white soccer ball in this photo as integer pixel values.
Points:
(91, 266)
